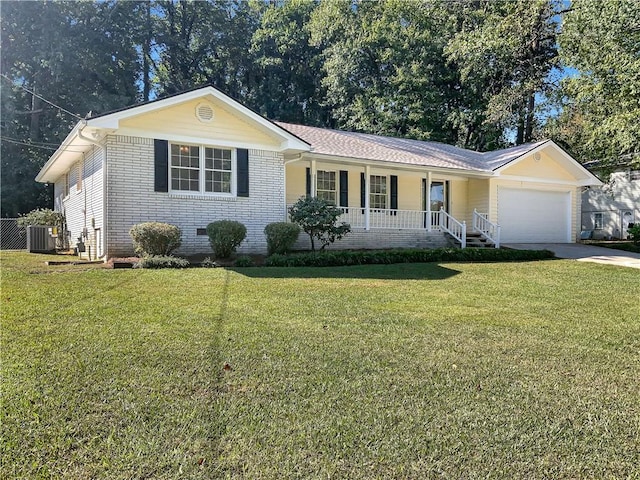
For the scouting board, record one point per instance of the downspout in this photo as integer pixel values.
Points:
(104, 187)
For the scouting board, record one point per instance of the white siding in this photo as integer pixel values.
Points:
(132, 199)
(619, 196)
(83, 207)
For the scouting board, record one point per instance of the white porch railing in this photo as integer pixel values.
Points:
(488, 229)
(456, 229)
(389, 219)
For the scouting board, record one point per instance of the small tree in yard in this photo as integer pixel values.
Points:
(319, 219)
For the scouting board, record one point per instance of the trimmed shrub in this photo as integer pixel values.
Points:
(163, 261)
(373, 257)
(281, 236)
(634, 233)
(244, 261)
(319, 219)
(155, 238)
(225, 236)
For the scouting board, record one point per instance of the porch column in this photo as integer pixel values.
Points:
(314, 176)
(367, 189)
(427, 196)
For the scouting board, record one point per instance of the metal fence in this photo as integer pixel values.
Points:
(12, 237)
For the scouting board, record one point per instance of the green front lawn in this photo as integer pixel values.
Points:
(457, 370)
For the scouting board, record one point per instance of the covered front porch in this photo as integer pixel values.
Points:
(383, 200)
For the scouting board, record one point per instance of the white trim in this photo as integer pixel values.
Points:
(153, 134)
(201, 172)
(207, 93)
(520, 178)
(450, 172)
(590, 180)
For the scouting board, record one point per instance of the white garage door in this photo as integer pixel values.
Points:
(534, 216)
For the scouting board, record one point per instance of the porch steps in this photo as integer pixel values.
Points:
(474, 240)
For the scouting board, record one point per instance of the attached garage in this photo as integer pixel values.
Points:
(534, 216)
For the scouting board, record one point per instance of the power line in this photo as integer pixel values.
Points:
(18, 142)
(40, 97)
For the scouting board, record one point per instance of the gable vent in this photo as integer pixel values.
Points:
(204, 112)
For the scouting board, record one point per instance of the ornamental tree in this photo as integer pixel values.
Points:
(318, 219)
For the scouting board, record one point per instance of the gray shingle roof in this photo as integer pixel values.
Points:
(365, 146)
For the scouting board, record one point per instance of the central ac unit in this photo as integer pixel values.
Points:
(40, 239)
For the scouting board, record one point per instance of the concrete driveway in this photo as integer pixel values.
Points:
(584, 253)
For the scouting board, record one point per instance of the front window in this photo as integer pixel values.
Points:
(598, 221)
(196, 168)
(326, 186)
(217, 170)
(378, 192)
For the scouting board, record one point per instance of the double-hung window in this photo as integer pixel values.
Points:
(217, 170)
(378, 192)
(326, 186)
(197, 168)
(598, 220)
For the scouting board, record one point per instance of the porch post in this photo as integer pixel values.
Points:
(428, 200)
(314, 175)
(367, 189)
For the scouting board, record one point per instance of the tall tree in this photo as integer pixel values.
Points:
(288, 67)
(505, 52)
(75, 54)
(600, 115)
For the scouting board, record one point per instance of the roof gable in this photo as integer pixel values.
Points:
(153, 117)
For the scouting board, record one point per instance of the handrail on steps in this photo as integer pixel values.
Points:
(488, 229)
(456, 229)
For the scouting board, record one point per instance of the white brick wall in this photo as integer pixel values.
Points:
(380, 238)
(132, 199)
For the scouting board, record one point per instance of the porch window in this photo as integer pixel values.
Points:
(196, 168)
(378, 192)
(598, 220)
(326, 186)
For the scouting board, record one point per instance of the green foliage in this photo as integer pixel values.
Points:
(42, 216)
(244, 261)
(155, 238)
(601, 103)
(281, 236)
(225, 236)
(318, 219)
(372, 257)
(634, 233)
(163, 261)
(483, 368)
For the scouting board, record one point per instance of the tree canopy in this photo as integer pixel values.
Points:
(478, 74)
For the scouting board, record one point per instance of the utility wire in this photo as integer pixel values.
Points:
(17, 142)
(41, 97)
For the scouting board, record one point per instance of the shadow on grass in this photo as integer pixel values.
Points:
(398, 271)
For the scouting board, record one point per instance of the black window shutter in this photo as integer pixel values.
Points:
(242, 157)
(308, 187)
(161, 165)
(344, 188)
(363, 190)
(394, 192)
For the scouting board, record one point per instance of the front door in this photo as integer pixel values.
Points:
(439, 196)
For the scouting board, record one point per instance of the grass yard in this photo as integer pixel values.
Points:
(514, 370)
